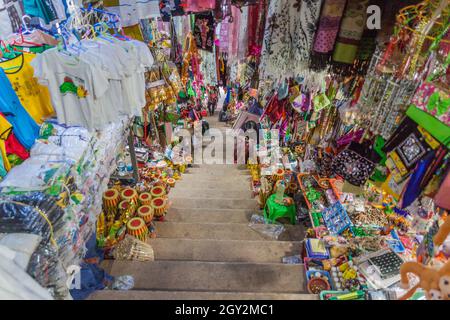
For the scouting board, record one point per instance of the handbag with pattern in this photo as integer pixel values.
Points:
(355, 164)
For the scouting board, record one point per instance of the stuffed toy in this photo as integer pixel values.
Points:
(435, 282)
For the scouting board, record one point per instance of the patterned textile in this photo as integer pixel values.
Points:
(288, 38)
(327, 31)
(204, 31)
(243, 34)
(208, 67)
(351, 32)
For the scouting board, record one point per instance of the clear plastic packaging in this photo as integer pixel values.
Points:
(259, 224)
(125, 282)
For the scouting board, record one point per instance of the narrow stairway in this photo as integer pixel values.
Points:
(205, 249)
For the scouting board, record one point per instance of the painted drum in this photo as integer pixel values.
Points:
(158, 191)
(137, 228)
(146, 212)
(111, 199)
(129, 194)
(145, 198)
(159, 205)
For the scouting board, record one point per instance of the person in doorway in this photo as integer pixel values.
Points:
(212, 100)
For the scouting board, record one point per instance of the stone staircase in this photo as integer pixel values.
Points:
(206, 250)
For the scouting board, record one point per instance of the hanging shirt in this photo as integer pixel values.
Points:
(74, 86)
(42, 9)
(24, 127)
(13, 146)
(104, 56)
(5, 132)
(34, 97)
(131, 11)
(10, 17)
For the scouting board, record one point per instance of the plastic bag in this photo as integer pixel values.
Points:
(125, 282)
(297, 259)
(259, 224)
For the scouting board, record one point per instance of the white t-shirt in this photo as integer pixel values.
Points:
(75, 86)
(131, 11)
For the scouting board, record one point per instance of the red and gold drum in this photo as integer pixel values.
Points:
(136, 227)
(159, 206)
(130, 195)
(111, 200)
(146, 213)
(171, 182)
(126, 209)
(278, 175)
(145, 198)
(158, 191)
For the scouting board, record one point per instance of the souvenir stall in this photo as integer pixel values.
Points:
(362, 156)
(87, 153)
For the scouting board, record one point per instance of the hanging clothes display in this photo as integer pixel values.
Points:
(34, 97)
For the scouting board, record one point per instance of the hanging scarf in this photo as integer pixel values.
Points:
(275, 56)
(350, 34)
(204, 31)
(288, 37)
(368, 44)
(330, 20)
(303, 25)
(243, 35)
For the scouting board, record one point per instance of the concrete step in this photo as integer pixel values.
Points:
(221, 231)
(216, 172)
(218, 184)
(195, 295)
(224, 250)
(211, 276)
(218, 166)
(229, 178)
(209, 193)
(213, 203)
(180, 214)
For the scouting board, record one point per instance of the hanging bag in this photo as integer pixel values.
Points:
(356, 163)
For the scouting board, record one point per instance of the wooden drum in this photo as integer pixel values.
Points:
(137, 228)
(130, 195)
(146, 213)
(111, 200)
(145, 198)
(159, 206)
(158, 191)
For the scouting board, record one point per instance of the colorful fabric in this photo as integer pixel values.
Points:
(34, 97)
(352, 29)
(204, 30)
(24, 127)
(13, 146)
(328, 28)
(288, 37)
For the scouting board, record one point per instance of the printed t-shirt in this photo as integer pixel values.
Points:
(34, 97)
(111, 103)
(74, 85)
(24, 127)
(5, 132)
